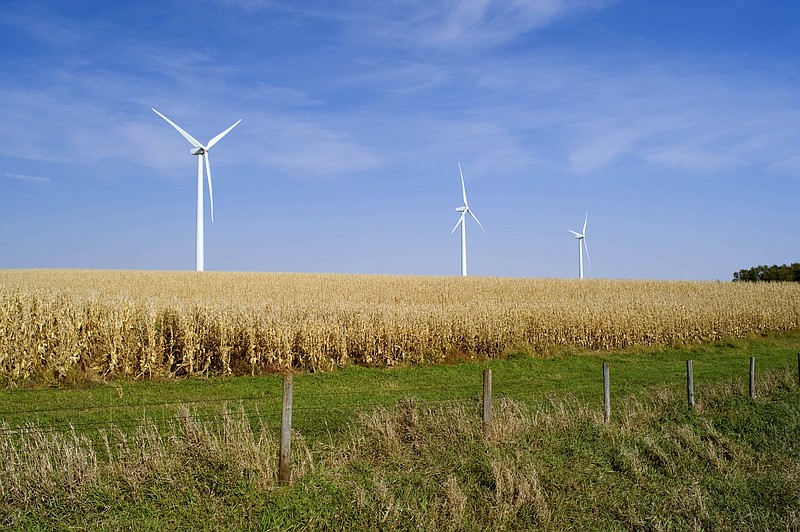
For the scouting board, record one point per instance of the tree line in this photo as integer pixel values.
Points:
(784, 272)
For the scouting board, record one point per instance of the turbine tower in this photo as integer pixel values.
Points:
(582, 240)
(201, 152)
(464, 210)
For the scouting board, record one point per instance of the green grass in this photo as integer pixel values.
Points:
(399, 449)
(325, 402)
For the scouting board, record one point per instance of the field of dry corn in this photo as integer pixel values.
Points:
(69, 325)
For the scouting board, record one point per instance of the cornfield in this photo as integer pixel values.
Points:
(59, 325)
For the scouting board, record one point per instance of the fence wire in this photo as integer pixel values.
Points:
(260, 411)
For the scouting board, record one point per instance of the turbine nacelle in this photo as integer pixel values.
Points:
(197, 151)
(461, 209)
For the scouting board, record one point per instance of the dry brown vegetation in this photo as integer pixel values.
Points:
(67, 324)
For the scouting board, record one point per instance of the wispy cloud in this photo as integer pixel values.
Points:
(570, 112)
(591, 114)
(790, 164)
(443, 24)
(310, 148)
(579, 117)
(406, 77)
(34, 179)
(40, 25)
(489, 22)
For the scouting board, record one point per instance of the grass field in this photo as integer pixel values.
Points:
(403, 448)
(327, 401)
(59, 327)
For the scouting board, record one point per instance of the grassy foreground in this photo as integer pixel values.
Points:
(404, 448)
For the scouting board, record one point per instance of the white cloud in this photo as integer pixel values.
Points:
(42, 26)
(790, 164)
(310, 148)
(490, 22)
(441, 24)
(558, 109)
(488, 146)
(487, 23)
(35, 179)
(587, 114)
(407, 77)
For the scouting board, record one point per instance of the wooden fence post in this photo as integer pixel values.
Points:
(487, 399)
(689, 383)
(753, 377)
(285, 466)
(606, 394)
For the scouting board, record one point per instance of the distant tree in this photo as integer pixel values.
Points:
(784, 273)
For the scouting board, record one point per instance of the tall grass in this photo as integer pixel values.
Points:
(39, 463)
(733, 465)
(58, 326)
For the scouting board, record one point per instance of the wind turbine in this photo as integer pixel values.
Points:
(464, 210)
(201, 152)
(582, 239)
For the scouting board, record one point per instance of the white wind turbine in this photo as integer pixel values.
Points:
(582, 239)
(201, 152)
(464, 210)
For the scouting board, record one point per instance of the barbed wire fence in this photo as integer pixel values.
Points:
(264, 409)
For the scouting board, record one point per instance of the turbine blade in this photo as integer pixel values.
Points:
(210, 190)
(588, 260)
(584, 223)
(460, 221)
(476, 219)
(577, 235)
(187, 136)
(219, 137)
(463, 188)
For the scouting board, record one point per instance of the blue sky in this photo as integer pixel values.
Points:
(676, 125)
